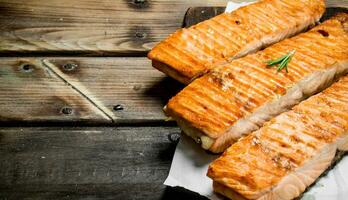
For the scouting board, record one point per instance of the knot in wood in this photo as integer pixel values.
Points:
(118, 107)
(140, 35)
(139, 1)
(139, 4)
(69, 66)
(67, 110)
(136, 87)
(27, 68)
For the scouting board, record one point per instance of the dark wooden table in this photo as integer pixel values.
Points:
(80, 105)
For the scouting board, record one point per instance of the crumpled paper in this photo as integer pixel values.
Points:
(190, 165)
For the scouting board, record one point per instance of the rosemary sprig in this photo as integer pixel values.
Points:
(282, 62)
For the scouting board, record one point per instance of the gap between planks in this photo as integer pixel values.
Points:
(97, 105)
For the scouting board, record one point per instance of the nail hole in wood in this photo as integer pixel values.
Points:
(140, 35)
(139, 2)
(323, 33)
(174, 137)
(136, 87)
(67, 110)
(27, 67)
(69, 66)
(118, 107)
(237, 22)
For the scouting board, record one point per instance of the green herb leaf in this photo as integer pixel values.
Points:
(277, 61)
(282, 62)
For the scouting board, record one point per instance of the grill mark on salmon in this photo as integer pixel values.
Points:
(239, 85)
(214, 25)
(222, 39)
(233, 104)
(236, 100)
(304, 167)
(261, 77)
(229, 32)
(179, 55)
(217, 101)
(221, 110)
(245, 93)
(277, 149)
(205, 48)
(202, 30)
(245, 78)
(236, 31)
(200, 49)
(174, 54)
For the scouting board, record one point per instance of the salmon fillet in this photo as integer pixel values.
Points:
(191, 52)
(237, 98)
(289, 153)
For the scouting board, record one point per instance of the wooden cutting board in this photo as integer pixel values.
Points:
(195, 15)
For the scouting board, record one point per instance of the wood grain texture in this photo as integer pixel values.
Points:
(94, 162)
(337, 3)
(90, 27)
(29, 91)
(139, 90)
(128, 90)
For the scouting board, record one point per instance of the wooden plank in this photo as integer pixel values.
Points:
(337, 3)
(119, 27)
(94, 162)
(127, 89)
(90, 27)
(29, 91)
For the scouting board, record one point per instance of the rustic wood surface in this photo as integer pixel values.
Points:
(119, 27)
(107, 85)
(122, 90)
(29, 91)
(58, 112)
(130, 83)
(90, 27)
(94, 162)
(336, 3)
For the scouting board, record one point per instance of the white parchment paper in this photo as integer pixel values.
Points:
(231, 6)
(190, 165)
(189, 168)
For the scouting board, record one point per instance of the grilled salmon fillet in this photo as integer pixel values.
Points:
(237, 98)
(190, 52)
(289, 153)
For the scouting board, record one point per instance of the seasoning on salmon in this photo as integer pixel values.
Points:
(289, 152)
(191, 52)
(239, 97)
